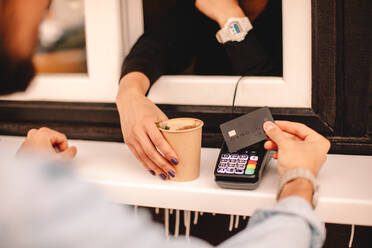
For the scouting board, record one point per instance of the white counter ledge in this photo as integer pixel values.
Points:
(345, 191)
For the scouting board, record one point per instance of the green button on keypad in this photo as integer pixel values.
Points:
(249, 171)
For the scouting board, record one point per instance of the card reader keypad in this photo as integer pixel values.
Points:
(238, 164)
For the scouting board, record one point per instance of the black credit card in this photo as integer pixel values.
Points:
(246, 130)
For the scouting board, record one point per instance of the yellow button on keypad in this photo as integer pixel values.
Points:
(251, 166)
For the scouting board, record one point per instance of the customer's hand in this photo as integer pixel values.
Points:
(297, 145)
(138, 117)
(48, 142)
(221, 10)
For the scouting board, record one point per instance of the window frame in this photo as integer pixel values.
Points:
(125, 19)
(104, 62)
(291, 90)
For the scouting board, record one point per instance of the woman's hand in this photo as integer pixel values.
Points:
(47, 142)
(138, 118)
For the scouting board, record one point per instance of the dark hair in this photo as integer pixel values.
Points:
(15, 75)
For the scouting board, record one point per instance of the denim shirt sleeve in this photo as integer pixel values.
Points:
(290, 223)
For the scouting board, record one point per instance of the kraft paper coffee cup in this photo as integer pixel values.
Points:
(184, 135)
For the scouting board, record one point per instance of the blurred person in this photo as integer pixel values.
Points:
(19, 22)
(45, 205)
(198, 33)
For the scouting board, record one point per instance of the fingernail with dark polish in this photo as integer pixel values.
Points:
(163, 176)
(171, 173)
(174, 161)
(152, 172)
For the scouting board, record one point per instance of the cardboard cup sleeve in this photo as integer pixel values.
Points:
(184, 136)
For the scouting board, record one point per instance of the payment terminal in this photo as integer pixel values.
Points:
(243, 158)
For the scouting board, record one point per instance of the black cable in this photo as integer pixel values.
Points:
(236, 88)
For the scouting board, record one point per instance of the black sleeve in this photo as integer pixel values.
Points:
(168, 49)
(249, 57)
